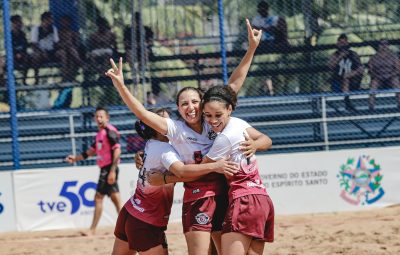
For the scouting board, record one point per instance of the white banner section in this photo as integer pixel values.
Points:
(64, 197)
(7, 208)
(332, 181)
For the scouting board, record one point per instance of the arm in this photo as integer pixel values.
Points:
(334, 59)
(359, 70)
(238, 76)
(179, 172)
(74, 158)
(112, 175)
(255, 140)
(153, 120)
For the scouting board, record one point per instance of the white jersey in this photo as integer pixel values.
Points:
(227, 146)
(191, 147)
(152, 204)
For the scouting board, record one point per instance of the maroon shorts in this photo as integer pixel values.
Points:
(205, 214)
(252, 215)
(140, 235)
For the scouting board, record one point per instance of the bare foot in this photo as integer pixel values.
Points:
(87, 232)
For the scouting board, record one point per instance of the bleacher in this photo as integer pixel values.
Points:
(295, 123)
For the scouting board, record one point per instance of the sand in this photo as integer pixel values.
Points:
(375, 231)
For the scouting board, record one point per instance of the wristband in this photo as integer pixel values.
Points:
(165, 180)
(84, 155)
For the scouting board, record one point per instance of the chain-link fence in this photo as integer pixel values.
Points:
(324, 76)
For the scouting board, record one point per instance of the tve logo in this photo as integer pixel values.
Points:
(1, 206)
(74, 193)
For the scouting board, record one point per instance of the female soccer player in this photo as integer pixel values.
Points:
(249, 221)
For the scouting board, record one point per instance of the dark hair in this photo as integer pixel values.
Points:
(221, 93)
(101, 108)
(263, 5)
(15, 18)
(143, 130)
(102, 22)
(342, 36)
(199, 91)
(45, 15)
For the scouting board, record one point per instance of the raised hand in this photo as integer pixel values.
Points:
(115, 73)
(253, 35)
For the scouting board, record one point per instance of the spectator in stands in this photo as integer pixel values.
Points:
(274, 27)
(20, 45)
(44, 39)
(102, 45)
(384, 68)
(347, 70)
(68, 49)
(108, 151)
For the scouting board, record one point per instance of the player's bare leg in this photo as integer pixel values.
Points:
(234, 243)
(198, 242)
(98, 210)
(122, 248)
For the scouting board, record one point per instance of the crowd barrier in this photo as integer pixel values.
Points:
(311, 182)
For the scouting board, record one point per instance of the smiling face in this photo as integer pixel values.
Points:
(217, 114)
(101, 118)
(189, 107)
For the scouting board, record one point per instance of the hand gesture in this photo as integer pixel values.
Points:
(253, 35)
(115, 73)
(70, 159)
(248, 147)
(155, 178)
(111, 177)
(139, 159)
(228, 168)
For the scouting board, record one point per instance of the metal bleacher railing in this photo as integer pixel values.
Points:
(295, 123)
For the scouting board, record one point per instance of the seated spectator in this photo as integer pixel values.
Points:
(384, 69)
(44, 41)
(20, 45)
(347, 70)
(68, 52)
(274, 27)
(102, 45)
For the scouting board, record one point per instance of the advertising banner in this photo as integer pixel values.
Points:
(344, 180)
(62, 198)
(7, 208)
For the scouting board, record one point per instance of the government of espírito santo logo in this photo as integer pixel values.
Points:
(361, 181)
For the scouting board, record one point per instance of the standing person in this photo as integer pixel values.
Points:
(108, 151)
(143, 220)
(204, 200)
(384, 68)
(249, 221)
(347, 70)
